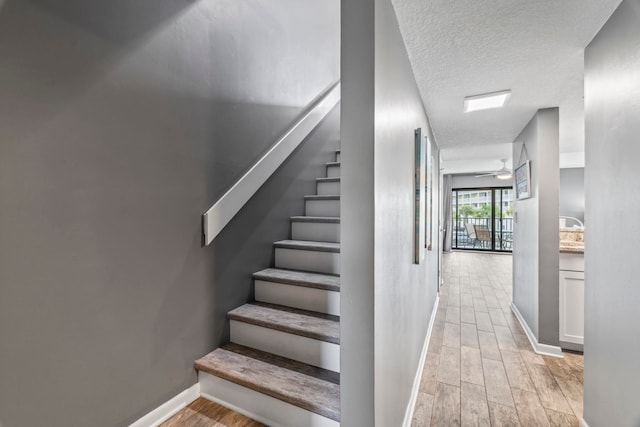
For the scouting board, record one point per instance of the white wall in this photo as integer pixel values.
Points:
(535, 237)
(612, 296)
(572, 193)
(384, 294)
(470, 181)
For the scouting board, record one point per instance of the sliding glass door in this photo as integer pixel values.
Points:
(482, 219)
(504, 219)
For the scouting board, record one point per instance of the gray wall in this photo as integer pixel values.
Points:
(572, 193)
(404, 293)
(470, 181)
(383, 292)
(535, 237)
(612, 295)
(121, 122)
(357, 214)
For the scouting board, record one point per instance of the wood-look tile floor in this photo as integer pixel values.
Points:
(480, 368)
(203, 413)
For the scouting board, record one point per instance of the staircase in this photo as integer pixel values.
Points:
(283, 362)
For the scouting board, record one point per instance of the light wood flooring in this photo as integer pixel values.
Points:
(203, 413)
(480, 368)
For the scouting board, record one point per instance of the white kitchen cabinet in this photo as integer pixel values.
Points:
(572, 306)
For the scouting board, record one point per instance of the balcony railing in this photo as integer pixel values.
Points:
(500, 240)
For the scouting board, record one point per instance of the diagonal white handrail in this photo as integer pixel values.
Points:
(219, 215)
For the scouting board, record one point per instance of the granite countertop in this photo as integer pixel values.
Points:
(572, 240)
(571, 249)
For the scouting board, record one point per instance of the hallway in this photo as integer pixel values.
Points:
(480, 368)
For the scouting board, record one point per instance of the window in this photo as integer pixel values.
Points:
(482, 220)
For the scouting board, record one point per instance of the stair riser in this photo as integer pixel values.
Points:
(313, 261)
(315, 231)
(313, 299)
(258, 406)
(322, 207)
(337, 157)
(328, 189)
(333, 171)
(307, 350)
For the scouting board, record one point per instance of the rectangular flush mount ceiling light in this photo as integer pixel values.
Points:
(486, 101)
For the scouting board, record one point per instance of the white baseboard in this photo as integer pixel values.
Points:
(175, 404)
(583, 423)
(547, 350)
(408, 414)
(168, 409)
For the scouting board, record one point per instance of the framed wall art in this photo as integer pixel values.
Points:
(428, 235)
(419, 202)
(523, 181)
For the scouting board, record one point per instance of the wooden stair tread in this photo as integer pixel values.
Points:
(317, 219)
(305, 391)
(333, 163)
(298, 322)
(322, 197)
(284, 362)
(299, 278)
(329, 179)
(306, 245)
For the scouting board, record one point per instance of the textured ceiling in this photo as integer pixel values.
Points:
(469, 47)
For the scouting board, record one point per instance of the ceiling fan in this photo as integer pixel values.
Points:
(502, 173)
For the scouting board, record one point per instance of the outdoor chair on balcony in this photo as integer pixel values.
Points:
(471, 233)
(483, 236)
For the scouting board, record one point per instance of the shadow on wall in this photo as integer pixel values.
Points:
(137, 19)
(95, 74)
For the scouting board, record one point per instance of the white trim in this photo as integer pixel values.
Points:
(168, 409)
(219, 215)
(547, 350)
(268, 410)
(307, 350)
(572, 307)
(408, 414)
(239, 410)
(320, 300)
(583, 423)
(571, 160)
